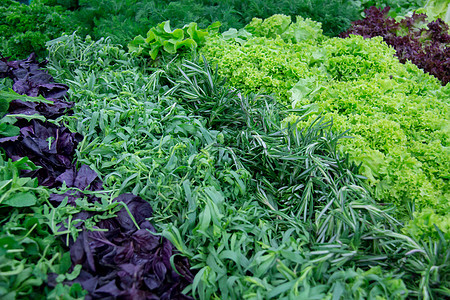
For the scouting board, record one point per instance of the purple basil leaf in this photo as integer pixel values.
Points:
(124, 253)
(87, 281)
(144, 241)
(9, 139)
(140, 209)
(152, 282)
(109, 289)
(3, 69)
(40, 78)
(53, 90)
(77, 253)
(85, 176)
(130, 263)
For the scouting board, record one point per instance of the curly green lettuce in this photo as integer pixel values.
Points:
(397, 115)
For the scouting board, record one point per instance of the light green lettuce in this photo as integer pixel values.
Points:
(397, 115)
(282, 26)
(435, 9)
(163, 38)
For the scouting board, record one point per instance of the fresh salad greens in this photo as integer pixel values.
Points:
(259, 160)
(29, 248)
(260, 211)
(396, 114)
(435, 9)
(26, 28)
(78, 208)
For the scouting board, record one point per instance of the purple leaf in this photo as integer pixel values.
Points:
(130, 263)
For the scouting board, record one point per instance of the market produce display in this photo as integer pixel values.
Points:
(225, 150)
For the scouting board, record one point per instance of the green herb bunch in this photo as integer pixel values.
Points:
(162, 38)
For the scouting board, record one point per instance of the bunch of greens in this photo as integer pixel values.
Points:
(29, 250)
(7, 128)
(427, 45)
(436, 9)
(26, 28)
(125, 258)
(260, 211)
(29, 244)
(397, 115)
(45, 150)
(259, 65)
(46, 144)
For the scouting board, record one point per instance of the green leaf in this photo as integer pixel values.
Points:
(4, 105)
(196, 34)
(8, 130)
(137, 44)
(29, 117)
(23, 199)
(76, 271)
(65, 263)
(214, 27)
(154, 52)
(10, 95)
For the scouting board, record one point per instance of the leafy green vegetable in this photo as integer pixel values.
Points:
(161, 37)
(435, 9)
(282, 26)
(15, 191)
(7, 128)
(29, 251)
(123, 20)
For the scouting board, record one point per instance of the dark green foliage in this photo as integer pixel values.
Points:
(26, 28)
(123, 20)
(68, 4)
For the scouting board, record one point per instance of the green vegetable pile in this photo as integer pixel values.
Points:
(30, 247)
(397, 115)
(260, 210)
(281, 162)
(27, 28)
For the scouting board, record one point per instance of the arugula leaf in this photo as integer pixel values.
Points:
(10, 95)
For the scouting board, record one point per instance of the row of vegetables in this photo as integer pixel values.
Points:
(301, 167)
(26, 28)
